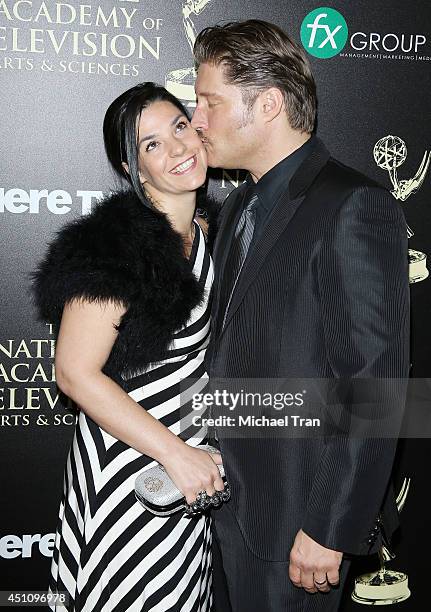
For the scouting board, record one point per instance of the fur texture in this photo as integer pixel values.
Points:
(129, 254)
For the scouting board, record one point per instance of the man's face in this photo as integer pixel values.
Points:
(225, 123)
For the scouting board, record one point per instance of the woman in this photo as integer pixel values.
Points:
(130, 284)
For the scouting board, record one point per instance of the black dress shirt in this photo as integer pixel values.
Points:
(273, 184)
(269, 188)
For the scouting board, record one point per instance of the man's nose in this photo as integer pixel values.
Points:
(199, 119)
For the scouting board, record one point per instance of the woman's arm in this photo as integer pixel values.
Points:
(87, 335)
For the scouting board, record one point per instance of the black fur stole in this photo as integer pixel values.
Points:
(128, 253)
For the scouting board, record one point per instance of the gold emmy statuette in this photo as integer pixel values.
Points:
(385, 587)
(390, 152)
(181, 82)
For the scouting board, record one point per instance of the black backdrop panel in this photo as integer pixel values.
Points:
(61, 64)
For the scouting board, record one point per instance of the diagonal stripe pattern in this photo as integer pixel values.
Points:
(110, 554)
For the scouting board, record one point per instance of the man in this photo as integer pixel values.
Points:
(311, 282)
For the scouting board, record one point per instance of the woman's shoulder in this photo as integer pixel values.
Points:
(116, 212)
(106, 235)
(91, 257)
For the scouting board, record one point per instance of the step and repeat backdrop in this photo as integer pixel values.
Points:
(61, 64)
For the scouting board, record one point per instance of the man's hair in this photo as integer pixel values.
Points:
(257, 55)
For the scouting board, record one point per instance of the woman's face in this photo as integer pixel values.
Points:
(172, 158)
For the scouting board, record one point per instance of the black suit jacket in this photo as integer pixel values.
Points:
(323, 294)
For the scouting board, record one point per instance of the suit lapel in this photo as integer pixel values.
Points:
(281, 216)
(224, 240)
(279, 220)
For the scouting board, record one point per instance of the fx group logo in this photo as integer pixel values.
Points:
(324, 32)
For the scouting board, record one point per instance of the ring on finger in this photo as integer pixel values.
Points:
(203, 500)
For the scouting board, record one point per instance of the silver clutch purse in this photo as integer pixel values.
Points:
(158, 494)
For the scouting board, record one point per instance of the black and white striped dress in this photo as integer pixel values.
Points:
(110, 554)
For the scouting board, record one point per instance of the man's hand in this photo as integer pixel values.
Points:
(312, 566)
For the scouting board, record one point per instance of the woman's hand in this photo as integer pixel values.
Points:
(194, 470)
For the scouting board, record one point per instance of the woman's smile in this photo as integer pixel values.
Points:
(186, 166)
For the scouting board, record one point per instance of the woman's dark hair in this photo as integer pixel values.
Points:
(119, 129)
(256, 55)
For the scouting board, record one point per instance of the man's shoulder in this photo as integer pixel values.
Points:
(346, 177)
(349, 191)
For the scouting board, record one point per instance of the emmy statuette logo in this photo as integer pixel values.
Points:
(324, 32)
(385, 587)
(390, 153)
(181, 82)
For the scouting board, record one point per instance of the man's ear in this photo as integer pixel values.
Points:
(125, 167)
(271, 103)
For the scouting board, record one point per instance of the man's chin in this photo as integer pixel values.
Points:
(217, 162)
(213, 162)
